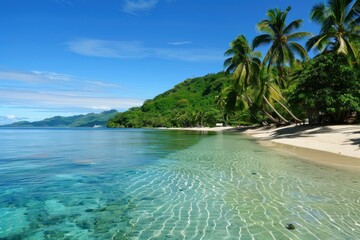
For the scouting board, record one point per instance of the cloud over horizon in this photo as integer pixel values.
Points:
(34, 76)
(136, 50)
(10, 118)
(61, 92)
(59, 100)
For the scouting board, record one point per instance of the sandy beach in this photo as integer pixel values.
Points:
(336, 146)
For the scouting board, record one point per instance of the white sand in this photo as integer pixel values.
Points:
(315, 143)
(338, 139)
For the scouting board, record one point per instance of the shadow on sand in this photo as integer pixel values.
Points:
(307, 131)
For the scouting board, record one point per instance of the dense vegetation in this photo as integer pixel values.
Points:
(190, 103)
(282, 87)
(88, 120)
(329, 89)
(324, 89)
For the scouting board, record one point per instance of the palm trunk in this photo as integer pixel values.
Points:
(271, 117)
(296, 119)
(277, 113)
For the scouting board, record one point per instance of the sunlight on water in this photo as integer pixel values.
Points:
(144, 184)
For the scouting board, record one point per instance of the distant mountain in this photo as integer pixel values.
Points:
(88, 120)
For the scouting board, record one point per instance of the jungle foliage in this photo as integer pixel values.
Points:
(189, 104)
(328, 88)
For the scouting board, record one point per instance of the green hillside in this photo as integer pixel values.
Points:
(189, 104)
(88, 120)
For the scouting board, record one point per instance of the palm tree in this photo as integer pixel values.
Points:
(269, 92)
(339, 20)
(244, 64)
(282, 39)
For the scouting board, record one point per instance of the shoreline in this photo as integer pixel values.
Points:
(336, 146)
(200, 129)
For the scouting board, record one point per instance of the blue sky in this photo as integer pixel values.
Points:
(67, 57)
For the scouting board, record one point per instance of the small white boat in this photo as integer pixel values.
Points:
(97, 126)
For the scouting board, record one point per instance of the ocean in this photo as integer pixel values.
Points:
(82, 183)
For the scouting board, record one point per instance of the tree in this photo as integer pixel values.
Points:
(339, 20)
(282, 39)
(242, 62)
(328, 89)
(248, 81)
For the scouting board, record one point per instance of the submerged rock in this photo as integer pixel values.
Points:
(290, 226)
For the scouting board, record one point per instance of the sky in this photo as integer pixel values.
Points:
(69, 57)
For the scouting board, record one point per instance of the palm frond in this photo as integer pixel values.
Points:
(272, 13)
(299, 50)
(298, 36)
(318, 13)
(261, 40)
(229, 52)
(353, 13)
(316, 42)
(293, 26)
(353, 52)
(328, 25)
(288, 54)
(263, 26)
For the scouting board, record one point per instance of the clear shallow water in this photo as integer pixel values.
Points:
(148, 184)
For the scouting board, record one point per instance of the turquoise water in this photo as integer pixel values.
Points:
(152, 184)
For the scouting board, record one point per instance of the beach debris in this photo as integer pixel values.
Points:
(290, 226)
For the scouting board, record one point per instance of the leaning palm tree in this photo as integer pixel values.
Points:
(339, 20)
(282, 38)
(269, 93)
(244, 64)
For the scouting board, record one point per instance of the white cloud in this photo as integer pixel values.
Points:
(102, 108)
(180, 43)
(55, 81)
(34, 76)
(10, 118)
(51, 76)
(135, 6)
(58, 101)
(189, 54)
(108, 49)
(103, 84)
(133, 50)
